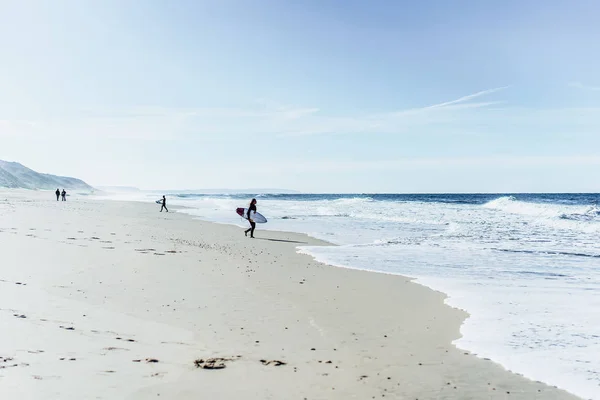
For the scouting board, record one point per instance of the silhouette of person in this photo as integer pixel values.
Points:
(64, 195)
(57, 194)
(164, 204)
(251, 208)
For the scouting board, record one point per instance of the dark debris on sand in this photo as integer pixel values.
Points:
(213, 363)
(275, 363)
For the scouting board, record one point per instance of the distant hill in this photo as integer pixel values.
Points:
(15, 175)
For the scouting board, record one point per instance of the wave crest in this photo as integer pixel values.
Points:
(512, 205)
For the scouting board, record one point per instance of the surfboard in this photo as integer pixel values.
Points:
(158, 201)
(256, 217)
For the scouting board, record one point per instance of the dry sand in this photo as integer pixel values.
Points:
(111, 300)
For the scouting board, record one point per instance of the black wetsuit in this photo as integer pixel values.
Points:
(252, 223)
(164, 205)
(57, 195)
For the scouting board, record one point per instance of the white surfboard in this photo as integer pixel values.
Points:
(256, 217)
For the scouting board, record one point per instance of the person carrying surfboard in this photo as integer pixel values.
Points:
(251, 208)
(164, 204)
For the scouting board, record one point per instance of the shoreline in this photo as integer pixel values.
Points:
(217, 293)
(447, 298)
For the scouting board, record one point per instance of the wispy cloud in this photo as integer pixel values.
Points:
(580, 85)
(459, 103)
(396, 121)
(464, 99)
(468, 114)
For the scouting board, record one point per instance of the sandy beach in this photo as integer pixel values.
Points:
(114, 300)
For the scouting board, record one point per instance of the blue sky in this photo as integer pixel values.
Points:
(326, 96)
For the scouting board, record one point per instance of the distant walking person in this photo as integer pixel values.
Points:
(164, 204)
(251, 208)
(64, 195)
(57, 194)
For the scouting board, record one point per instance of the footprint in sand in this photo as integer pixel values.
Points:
(148, 360)
(145, 251)
(115, 348)
(67, 328)
(9, 362)
(180, 343)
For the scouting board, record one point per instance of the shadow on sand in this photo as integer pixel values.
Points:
(282, 240)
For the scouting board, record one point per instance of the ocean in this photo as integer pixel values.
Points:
(526, 267)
